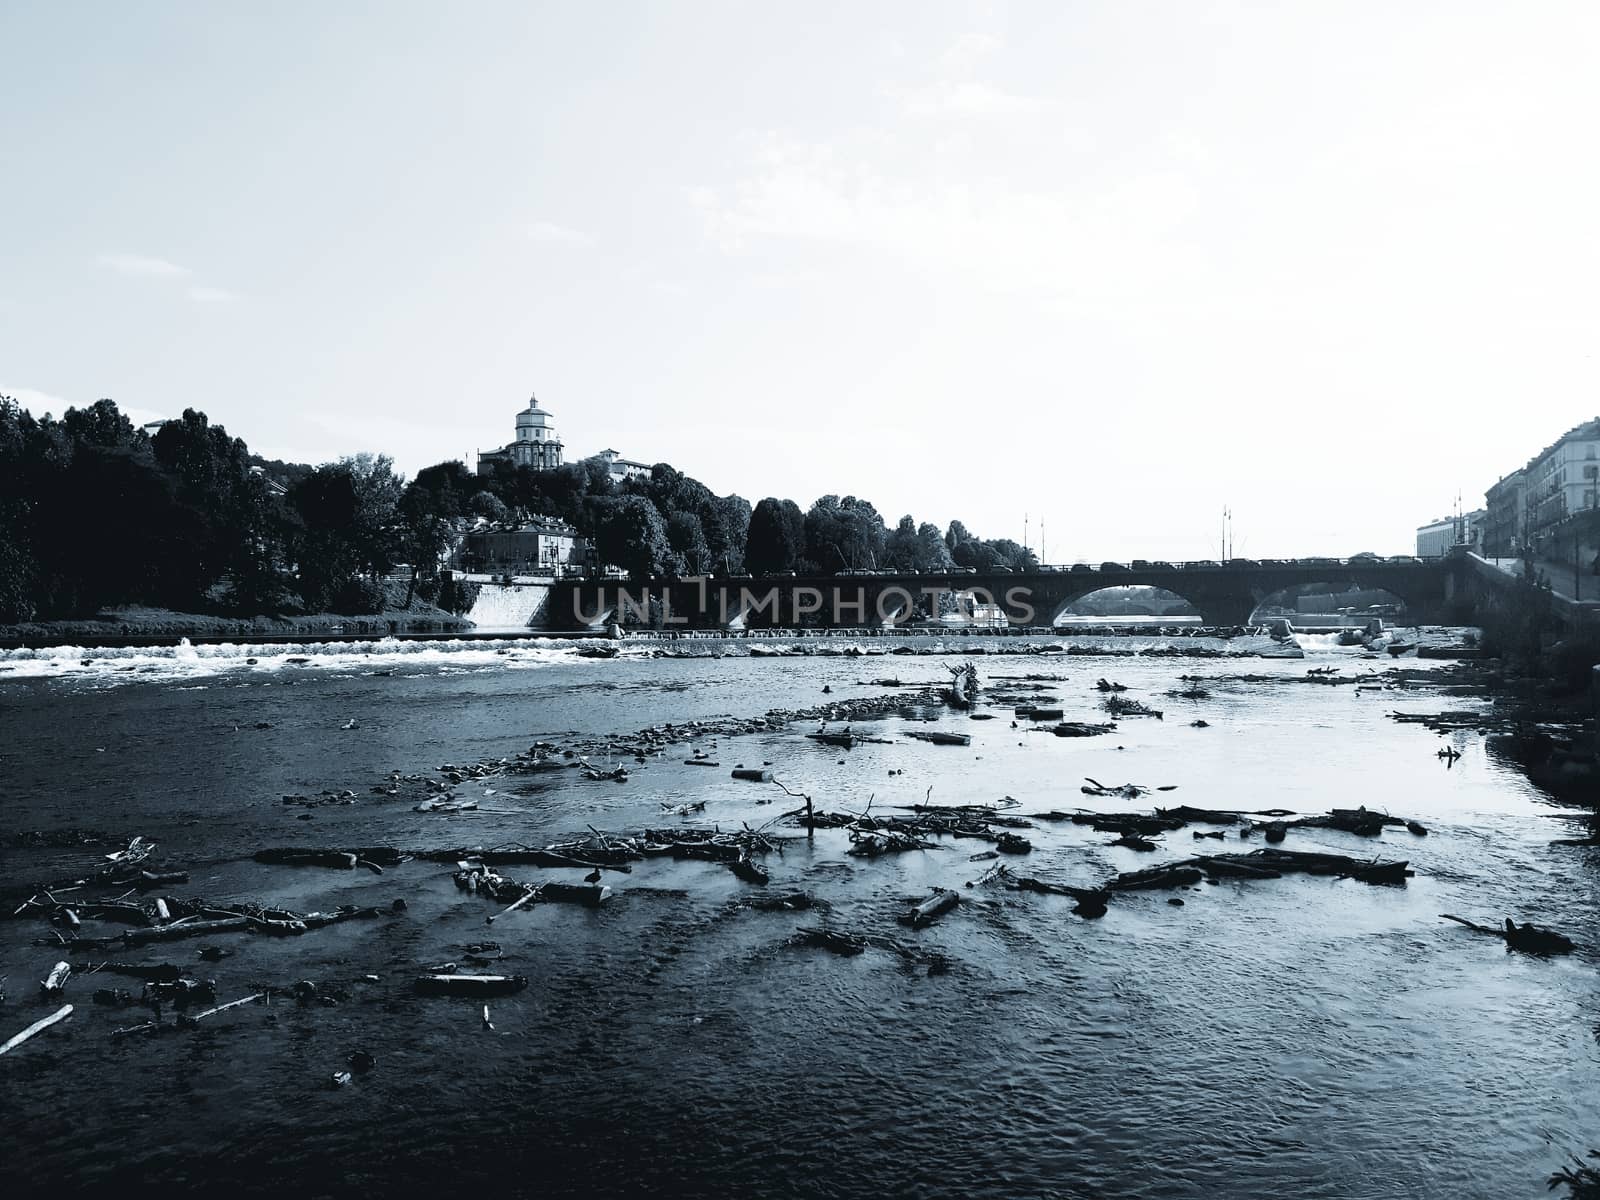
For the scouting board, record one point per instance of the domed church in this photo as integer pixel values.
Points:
(537, 445)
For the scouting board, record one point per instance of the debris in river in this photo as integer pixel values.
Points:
(965, 685)
(942, 901)
(482, 880)
(1121, 706)
(1082, 729)
(39, 1026)
(1134, 842)
(374, 858)
(470, 985)
(940, 738)
(750, 871)
(846, 944)
(55, 983)
(1530, 939)
(1167, 875)
(683, 810)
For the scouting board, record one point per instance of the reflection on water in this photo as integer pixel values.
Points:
(1280, 1038)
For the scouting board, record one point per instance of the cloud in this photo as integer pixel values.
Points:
(146, 266)
(143, 264)
(552, 234)
(211, 295)
(967, 98)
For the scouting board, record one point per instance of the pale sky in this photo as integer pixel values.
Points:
(1114, 265)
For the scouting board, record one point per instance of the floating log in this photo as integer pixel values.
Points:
(1082, 729)
(942, 901)
(1531, 939)
(752, 774)
(1120, 706)
(470, 985)
(787, 902)
(184, 929)
(1132, 823)
(55, 983)
(1169, 875)
(1011, 843)
(39, 1026)
(844, 740)
(750, 871)
(1221, 864)
(1124, 791)
(940, 738)
(1027, 883)
(1134, 842)
(527, 897)
(481, 879)
(1359, 821)
(1289, 861)
(846, 944)
(112, 910)
(1210, 816)
(701, 762)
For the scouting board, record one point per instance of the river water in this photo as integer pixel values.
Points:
(1299, 1037)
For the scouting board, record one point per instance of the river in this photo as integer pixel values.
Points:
(1298, 1037)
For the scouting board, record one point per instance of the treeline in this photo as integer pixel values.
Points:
(96, 513)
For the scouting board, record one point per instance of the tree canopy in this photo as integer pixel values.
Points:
(94, 512)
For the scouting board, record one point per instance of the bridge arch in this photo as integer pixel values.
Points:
(1112, 604)
(1328, 601)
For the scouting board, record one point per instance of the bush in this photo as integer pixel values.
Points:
(457, 595)
(359, 594)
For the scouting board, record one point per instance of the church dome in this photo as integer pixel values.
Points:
(534, 417)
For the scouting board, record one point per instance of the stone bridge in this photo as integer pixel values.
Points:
(1223, 593)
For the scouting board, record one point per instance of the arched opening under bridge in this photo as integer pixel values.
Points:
(1330, 603)
(1138, 604)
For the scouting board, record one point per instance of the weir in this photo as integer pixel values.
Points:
(507, 607)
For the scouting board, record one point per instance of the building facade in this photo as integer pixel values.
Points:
(537, 444)
(1562, 480)
(1504, 517)
(536, 547)
(1438, 538)
(623, 468)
